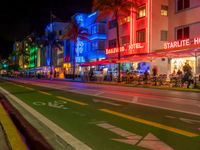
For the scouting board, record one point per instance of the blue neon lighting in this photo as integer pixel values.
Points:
(93, 14)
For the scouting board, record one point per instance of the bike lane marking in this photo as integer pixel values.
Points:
(63, 134)
(150, 141)
(54, 104)
(72, 101)
(151, 123)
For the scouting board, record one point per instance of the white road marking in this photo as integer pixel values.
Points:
(128, 137)
(99, 93)
(105, 102)
(171, 117)
(149, 142)
(126, 101)
(153, 143)
(67, 137)
(135, 99)
(55, 104)
(190, 121)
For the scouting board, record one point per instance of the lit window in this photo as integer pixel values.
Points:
(142, 12)
(164, 10)
(125, 20)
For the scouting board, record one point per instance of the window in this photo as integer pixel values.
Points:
(60, 32)
(164, 35)
(94, 45)
(125, 20)
(164, 10)
(140, 36)
(98, 45)
(98, 28)
(182, 4)
(102, 28)
(125, 39)
(182, 33)
(94, 29)
(112, 43)
(141, 12)
(112, 24)
(101, 44)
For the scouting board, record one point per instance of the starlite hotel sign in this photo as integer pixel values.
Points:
(182, 43)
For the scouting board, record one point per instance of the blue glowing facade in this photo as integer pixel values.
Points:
(92, 49)
(53, 52)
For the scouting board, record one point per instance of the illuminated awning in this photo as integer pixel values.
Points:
(100, 62)
(177, 53)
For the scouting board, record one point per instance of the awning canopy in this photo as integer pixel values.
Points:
(100, 62)
(148, 57)
(177, 53)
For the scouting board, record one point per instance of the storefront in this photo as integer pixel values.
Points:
(180, 53)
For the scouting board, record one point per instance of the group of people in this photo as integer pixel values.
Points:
(186, 75)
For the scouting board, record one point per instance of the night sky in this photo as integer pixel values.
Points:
(19, 18)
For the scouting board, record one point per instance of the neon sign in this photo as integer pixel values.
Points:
(127, 50)
(182, 43)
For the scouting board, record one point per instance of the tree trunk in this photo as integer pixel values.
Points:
(51, 59)
(74, 61)
(119, 53)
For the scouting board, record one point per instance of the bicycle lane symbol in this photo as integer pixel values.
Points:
(54, 104)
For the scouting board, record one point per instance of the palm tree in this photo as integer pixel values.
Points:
(74, 32)
(117, 9)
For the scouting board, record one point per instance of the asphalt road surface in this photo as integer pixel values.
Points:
(187, 102)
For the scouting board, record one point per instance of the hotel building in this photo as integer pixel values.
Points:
(163, 33)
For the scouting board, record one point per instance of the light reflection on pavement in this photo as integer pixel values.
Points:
(188, 102)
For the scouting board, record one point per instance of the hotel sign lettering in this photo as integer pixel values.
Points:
(182, 43)
(126, 50)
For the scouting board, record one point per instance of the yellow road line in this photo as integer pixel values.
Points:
(19, 85)
(44, 93)
(30, 88)
(154, 124)
(73, 101)
(11, 132)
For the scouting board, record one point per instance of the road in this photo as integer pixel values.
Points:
(104, 117)
(187, 102)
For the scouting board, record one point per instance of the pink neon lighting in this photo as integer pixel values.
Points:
(182, 43)
(127, 50)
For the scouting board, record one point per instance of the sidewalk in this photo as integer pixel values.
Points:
(131, 85)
